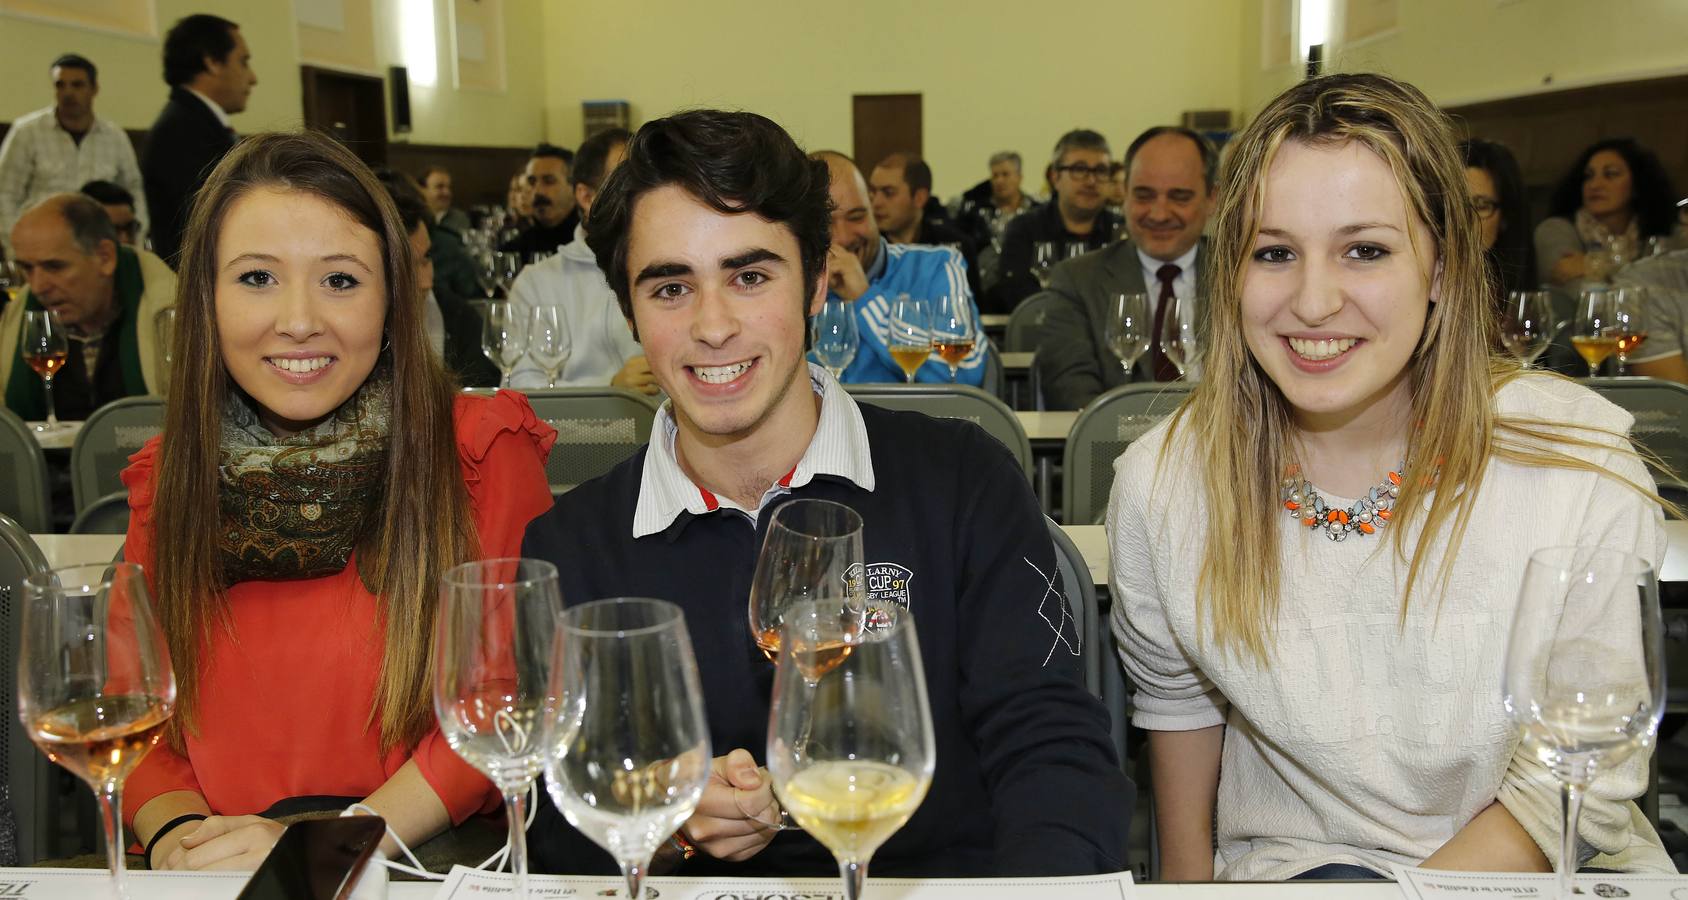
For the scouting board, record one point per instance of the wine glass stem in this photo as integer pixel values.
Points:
(634, 872)
(111, 811)
(52, 414)
(1570, 801)
(503, 378)
(854, 875)
(515, 809)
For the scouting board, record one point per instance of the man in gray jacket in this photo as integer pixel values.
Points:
(1168, 197)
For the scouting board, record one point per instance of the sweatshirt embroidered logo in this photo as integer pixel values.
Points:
(886, 583)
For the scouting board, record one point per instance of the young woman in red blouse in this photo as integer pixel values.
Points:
(317, 473)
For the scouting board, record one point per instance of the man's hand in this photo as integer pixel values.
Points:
(738, 814)
(237, 843)
(844, 273)
(636, 375)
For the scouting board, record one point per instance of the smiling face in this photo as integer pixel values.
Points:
(300, 303)
(720, 306)
(853, 225)
(1167, 200)
(1336, 290)
(1607, 185)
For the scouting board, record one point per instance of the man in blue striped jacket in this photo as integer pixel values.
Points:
(869, 272)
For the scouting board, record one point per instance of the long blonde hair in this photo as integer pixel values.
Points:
(423, 525)
(1238, 421)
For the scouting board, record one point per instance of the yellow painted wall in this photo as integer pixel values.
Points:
(992, 79)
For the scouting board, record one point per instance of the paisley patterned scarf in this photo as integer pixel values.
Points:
(296, 507)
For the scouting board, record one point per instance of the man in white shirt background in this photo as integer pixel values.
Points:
(58, 149)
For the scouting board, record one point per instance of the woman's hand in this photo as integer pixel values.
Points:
(238, 843)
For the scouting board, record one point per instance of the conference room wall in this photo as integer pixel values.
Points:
(990, 81)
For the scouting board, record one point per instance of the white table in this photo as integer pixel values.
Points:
(75, 549)
(1047, 429)
(59, 439)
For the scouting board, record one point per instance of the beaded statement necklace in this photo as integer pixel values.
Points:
(1365, 516)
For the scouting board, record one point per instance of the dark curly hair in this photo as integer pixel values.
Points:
(1651, 195)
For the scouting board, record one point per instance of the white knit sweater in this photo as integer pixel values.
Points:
(1367, 742)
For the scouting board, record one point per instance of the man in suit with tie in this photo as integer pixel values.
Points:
(209, 70)
(1168, 197)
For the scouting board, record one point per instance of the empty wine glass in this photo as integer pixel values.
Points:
(627, 742)
(850, 742)
(1629, 322)
(504, 337)
(953, 331)
(1584, 677)
(548, 341)
(1527, 325)
(45, 349)
(1178, 334)
(1128, 328)
(1043, 259)
(95, 687)
(506, 266)
(836, 336)
(812, 553)
(910, 337)
(1594, 336)
(492, 666)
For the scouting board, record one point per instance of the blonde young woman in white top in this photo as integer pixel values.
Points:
(1316, 561)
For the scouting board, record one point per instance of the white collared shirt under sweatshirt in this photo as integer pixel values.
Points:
(39, 158)
(1368, 741)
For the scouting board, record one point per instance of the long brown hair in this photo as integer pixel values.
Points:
(1236, 420)
(423, 525)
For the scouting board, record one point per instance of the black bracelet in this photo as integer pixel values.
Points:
(160, 833)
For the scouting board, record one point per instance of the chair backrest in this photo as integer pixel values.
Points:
(1025, 323)
(107, 515)
(1102, 432)
(1080, 595)
(103, 447)
(23, 476)
(28, 776)
(597, 428)
(953, 401)
(1661, 416)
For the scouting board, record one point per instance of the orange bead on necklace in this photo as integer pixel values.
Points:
(1365, 516)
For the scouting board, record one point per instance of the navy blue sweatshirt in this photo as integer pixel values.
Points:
(1026, 783)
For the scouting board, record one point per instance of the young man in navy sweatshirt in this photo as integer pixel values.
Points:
(713, 233)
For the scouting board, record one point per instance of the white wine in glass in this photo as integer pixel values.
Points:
(1594, 336)
(953, 331)
(910, 338)
(1584, 675)
(1129, 325)
(850, 742)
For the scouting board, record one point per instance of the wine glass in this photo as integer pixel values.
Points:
(95, 687)
(486, 272)
(1584, 677)
(910, 338)
(492, 657)
(1629, 322)
(503, 337)
(1593, 336)
(953, 332)
(548, 341)
(1178, 334)
(46, 349)
(506, 266)
(1128, 328)
(1527, 326)
(836, 337)
(1043, 259)
(812, 554)
(850, 744)
(627, 744)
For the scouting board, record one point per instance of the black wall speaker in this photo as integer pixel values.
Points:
(399, 81)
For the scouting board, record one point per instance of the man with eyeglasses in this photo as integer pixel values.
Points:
(120, 206)
(1078, 175)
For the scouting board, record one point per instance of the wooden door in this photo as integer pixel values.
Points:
(884, 124)
(352, 108)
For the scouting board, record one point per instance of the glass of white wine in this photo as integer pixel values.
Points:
(1584, 675)
(910, 338)
(850, 744)
(1594, 335)
(95, 687)
(1128, 328)
(627, 744)
(548, 341)
(492, 666)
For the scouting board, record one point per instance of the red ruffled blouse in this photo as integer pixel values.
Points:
(285, 698)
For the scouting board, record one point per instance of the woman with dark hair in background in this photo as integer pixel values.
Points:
(1503, 215)
(1612, 200)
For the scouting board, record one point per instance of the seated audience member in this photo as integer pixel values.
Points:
(436, 189)
(120, 208)
(601, 346)
(1503, 212)
(297, 513)
(106, 295)
(518, 202)
(552, 205)
(53, 150)
(1616, 197)
(1169, 195)
(1078, 174)
(869, 272)
(452, 325)
(1666, 279)
(1350, 347)
(713, 233)
(901, 191)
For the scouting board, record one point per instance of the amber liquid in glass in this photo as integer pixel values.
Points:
(1628, 343)
(1594, 349)
(952, 352)
(101, 739)
(910, 358)
(46, 364)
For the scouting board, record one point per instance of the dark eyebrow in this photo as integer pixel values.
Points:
(347, 257)
(1346, 229)
(750, 258)
(252, 257)
(662, 270)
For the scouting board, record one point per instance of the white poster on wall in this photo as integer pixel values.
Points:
(329, 15)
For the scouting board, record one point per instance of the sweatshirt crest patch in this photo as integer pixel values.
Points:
(883, 583)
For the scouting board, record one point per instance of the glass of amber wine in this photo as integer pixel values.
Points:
(850, 744)
(46, 349)
(95, 687)
(953, 333)
(1629, 322)
(910, 338)
(811, 554)
(1595, 335)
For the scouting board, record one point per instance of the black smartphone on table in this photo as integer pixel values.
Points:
(317, 859)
